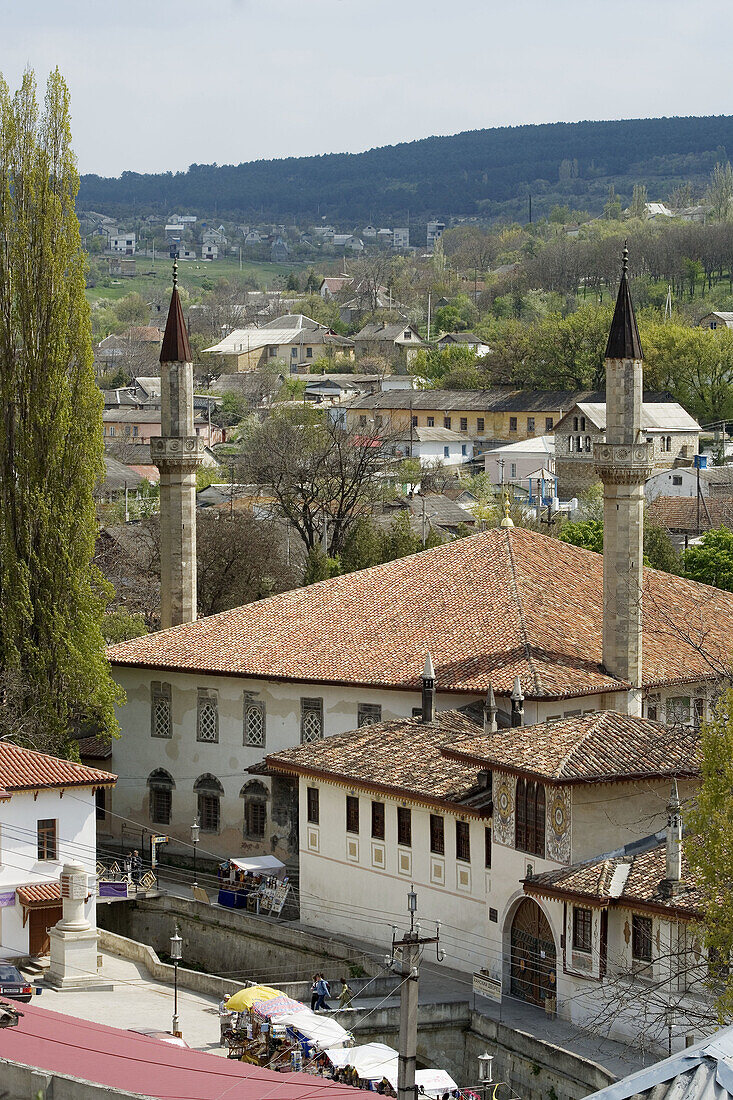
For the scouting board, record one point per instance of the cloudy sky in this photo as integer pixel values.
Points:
(157, 85)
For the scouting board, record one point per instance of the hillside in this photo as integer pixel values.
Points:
(483, 173)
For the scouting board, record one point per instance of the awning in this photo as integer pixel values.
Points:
(321, 1030)
(41, 895)
(375, 1061)
(277, 1006)
(259, 865)
(244, 999)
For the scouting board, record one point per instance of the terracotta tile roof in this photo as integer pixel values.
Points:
(40, 894)
(507, 602)
(625, 881)
(680, 513)
(604, 746)
(403, 757)
(23, 770)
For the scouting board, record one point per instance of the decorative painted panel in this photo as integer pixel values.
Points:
(557, 832)
(503, 825)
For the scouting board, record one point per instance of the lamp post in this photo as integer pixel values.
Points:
(176, 955)
(195, 830)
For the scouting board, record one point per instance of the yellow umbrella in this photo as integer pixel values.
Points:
(243, 1000)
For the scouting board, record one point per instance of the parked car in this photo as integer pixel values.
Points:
(13, 984)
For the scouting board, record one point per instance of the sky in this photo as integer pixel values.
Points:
(157, 85)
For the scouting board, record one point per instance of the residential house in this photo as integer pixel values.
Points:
(292, 339)
(716, 320)
(463, 339)
(672, 432)
(683, 481)
(434, 446)
(123, 266)
(139, 342)
(209, 251)
(369, 232)
(48, 818)
(348, 242)
(185, 253)
(687, 517)
(397, 342)
(279, 251)
(401, 239)
(427, 512)
(516, 462)
(435, 232)
(143, 424)
(331, 285)
(123, 242)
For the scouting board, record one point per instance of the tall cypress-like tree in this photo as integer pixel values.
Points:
(55, 677)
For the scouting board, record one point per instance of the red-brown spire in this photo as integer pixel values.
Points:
(623, 338)
(176, 348)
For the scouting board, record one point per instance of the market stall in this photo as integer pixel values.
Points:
(258, 884)
(376, 1063)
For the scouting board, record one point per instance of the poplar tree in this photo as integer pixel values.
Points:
(55, 678)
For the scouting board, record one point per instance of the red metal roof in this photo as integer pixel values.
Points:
(39, 894)
(25, 770)
(136, 1063)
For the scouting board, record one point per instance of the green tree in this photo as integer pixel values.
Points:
(659, 550)
(639, 199)
(133, 309)
(587, 533)
(720, 191)
(711, 562)
(52, 599)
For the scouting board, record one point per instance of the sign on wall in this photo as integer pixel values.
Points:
(487, 986)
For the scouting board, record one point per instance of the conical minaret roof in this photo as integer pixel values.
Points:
(176, 348)
(623, 338)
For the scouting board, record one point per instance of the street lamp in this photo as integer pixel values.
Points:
(195, 830)
(484, 1068)
(412, 906)
(176, 955)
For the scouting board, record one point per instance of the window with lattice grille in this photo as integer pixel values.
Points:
(161, 799)
(254, 722)
(311, 720)
(208, 716)
(368, 714)
(161, 724)
(208, 812)
(255, 813)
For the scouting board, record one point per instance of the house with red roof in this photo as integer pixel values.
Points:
(48, 811)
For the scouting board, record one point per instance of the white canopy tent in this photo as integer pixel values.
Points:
(375, 1061)
(321, 1030)
(259, 865)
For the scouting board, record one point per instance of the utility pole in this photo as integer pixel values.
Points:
(409, 947)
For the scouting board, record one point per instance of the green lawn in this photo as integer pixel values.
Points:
(194, 275)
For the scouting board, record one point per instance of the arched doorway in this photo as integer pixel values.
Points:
(533, 957)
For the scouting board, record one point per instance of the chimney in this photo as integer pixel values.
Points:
(673, 880)
(517, 698)
(490, 712)
(428, 691)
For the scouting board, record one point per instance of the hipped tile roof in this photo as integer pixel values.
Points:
(681, 513)
(504, 603)
(24, 769)
(40, 895)
(600, 747)
(403, 757)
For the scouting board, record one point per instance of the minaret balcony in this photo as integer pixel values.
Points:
(175, 453)
(623, 463)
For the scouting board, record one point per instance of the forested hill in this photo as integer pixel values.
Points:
(486, 173)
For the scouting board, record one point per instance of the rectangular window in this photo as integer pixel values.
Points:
(404, 826)
(446, 452)
(513, 469)
(446, 422)
(352, 814)
(313, 805)
(208, 812)
(309, 353)
(479, 423)
(161, 801)
(134, 429)
(368, 714)
(362, 422)
(464, 450)
(255, 818)
(207, 723)
(160, 710)
(582, 929)
(548, 423)
(464, 423)
(487, 846)
(678, 711)
(273, 352)
(641, 938)
(512, 423)
(437, 834)
(676, 479)
(254, 722)
(414, 421)
(378, 820)
(698, 713)
(463, 841)
(530, 423)
(47, 832)
(100, 804)
(311, 720)
(431, 421)
(652, 708)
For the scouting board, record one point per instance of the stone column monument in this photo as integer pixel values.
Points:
(73, 940)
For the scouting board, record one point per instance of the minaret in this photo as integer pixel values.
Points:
(428, 691)
(177, 452)
(673, 853)
(517, 700)
(623, 463)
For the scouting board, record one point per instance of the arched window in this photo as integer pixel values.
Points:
(587, 443)
(520, 818)
(579, 443)
(570, 444)
(209, 791)
(255, 795)
(161, 787)
(529, 822)
(669, 442)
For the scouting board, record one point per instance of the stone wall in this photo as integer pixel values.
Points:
(20, 1082)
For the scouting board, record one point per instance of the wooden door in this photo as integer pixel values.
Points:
(39, 922)
(533, 956)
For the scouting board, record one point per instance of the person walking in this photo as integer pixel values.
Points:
(314, 992)
(136, 867)
(345, 996)
(323, 992)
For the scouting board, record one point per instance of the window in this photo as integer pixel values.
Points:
(407, 335)
(48, 847)
(582, 929)
(698, 713)
(134, 429)
(377, 421)
(293, 353)
(273, 352)
(570, 444)
(311, 720)
(437, 835)
(207, 724)
(641, 938)
(582, 423)
(676, 479)
(209, 791)
(362, 422)
(446, 422)
(479, 423)
(160, 710)
(254, 721)
(678, 711)
(529, 829)
(464, 423)
(512, 423)
(578, 443)
(463, 841)
(446, 452)
(669, 442)
(309, 353)
(431, 421)
(378, 820)
(313, 805)
(414, 421)
(404, 826)
(587, 443)
(368, 714)
(464, 450)
(512, 469)
(161, 787)
(548, 423)
(575, 423)
(100, 803)
(652, 708)
(487, 846)
(255, 797)
(352, 814)
(530, 423)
